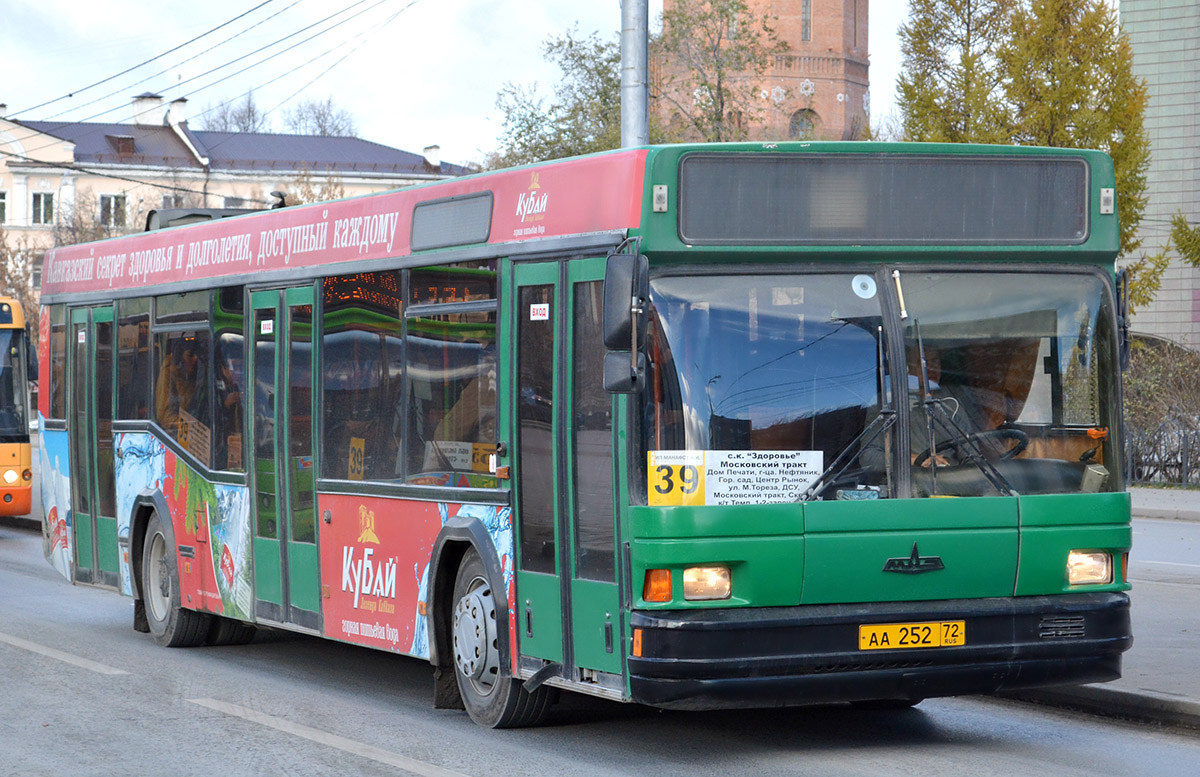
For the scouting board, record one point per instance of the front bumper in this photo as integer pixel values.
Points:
(784, 656)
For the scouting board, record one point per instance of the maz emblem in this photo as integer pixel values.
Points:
(915, 564)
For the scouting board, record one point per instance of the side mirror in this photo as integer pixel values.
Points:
(1123, 345)
(626, 285)
(620, 373)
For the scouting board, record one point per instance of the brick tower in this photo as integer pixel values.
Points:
(818, 88)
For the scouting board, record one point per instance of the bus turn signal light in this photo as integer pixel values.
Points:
(657, 587)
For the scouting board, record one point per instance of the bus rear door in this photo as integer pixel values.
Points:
(93, 492)
(286, 564)
(567, 595)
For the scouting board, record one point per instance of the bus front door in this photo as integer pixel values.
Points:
(567, 595)
(93, 493)
(286, 568)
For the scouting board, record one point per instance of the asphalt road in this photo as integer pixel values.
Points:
(82, 693)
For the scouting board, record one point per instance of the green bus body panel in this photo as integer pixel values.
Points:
(717, 521)
(849, 543)
(1075, 509)
(539, 598)
(593, 605)
(106, 537)
(765, 571)
(83, 537)
(1053, 525)
(267, 580)
(304, 588)
(661, 230)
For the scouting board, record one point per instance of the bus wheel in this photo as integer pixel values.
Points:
(170, 624)
(227, 631)
(493, 698)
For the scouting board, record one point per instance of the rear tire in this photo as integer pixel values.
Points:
(170, 624)
(227, 631)
(491, 696)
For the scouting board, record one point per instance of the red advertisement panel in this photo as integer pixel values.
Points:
(576, 196)
(374, 553)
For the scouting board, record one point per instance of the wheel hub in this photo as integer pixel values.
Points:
(475, 652)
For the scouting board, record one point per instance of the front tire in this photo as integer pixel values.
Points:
(491, 696)
(170, 624)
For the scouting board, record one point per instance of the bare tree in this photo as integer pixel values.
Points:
(305, 187)
(320, 117)
(18, 262)
(245, 116)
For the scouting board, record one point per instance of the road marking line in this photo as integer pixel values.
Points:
(59, 655)
(331, 740)
(1189, 586)
(1166, 563)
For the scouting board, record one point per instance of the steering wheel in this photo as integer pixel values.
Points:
(1003, 433)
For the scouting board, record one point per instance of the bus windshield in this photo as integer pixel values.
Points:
(764, 363)
(13, 388)
(1010, 380)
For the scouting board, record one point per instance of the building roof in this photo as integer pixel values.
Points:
(159, 146)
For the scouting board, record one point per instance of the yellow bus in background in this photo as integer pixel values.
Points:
(16, 466)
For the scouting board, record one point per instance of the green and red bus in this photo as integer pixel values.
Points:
(693, 426)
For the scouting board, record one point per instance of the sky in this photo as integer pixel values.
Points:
(412, 73)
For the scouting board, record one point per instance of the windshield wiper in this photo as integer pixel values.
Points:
(935, 409)
(880, 424)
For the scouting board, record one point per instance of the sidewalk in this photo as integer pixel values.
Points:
(1160, 681)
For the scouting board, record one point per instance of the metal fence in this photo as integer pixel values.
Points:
(1168, 454)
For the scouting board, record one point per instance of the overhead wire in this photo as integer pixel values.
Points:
(363, 36)
(163, 72)
(232, 62)
(148, 61)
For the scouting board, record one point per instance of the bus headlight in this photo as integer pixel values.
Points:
(1089, 567)
(10, 476)
(700, 583)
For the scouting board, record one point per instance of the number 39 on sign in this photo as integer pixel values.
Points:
(675, 478)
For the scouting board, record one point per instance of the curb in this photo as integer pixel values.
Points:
(1113, 702)
(1167, 513)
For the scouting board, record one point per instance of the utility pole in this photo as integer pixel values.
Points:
(635, 87)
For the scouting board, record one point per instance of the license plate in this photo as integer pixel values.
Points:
(901, 636)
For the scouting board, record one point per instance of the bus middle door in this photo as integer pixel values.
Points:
(286, 563)
(90, 409)
(567, 597)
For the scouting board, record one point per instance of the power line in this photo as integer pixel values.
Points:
(162, 72)
(364, 37)
(243, 70)
(148, 61)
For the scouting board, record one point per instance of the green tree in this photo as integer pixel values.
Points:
(1070, 84)
(584, 116)
(1186, 239)
(1036, 72)
(950, 88)
(710, 60)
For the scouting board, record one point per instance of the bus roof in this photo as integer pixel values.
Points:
(575, 196)
(885, 186)
(12, 315)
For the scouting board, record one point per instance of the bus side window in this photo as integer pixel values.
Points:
(361, 376)
(58, 361)
(133, 359)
